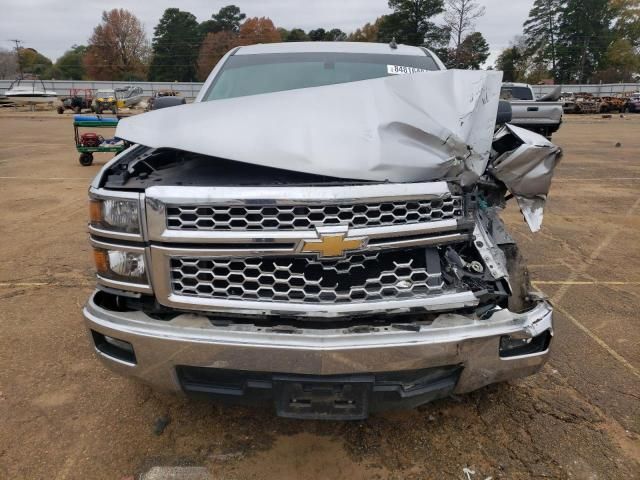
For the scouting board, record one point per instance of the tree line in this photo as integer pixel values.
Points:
(576, 41)
(569, 41)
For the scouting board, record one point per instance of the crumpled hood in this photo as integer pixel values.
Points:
(418, 127)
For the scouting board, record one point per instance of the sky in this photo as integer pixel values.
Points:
(52, 26)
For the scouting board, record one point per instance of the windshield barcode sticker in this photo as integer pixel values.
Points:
(401, 70)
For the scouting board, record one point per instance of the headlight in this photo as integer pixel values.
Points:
(120, 265)
(115, 215)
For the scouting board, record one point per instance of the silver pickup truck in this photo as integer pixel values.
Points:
(320, 230)
(543, 116)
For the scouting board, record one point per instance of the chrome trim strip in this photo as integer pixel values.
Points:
(131, 287)
(115, 246)
(288, 195)
(447, 301)
(100, 232)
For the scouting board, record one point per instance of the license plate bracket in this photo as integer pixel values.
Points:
(304, 398)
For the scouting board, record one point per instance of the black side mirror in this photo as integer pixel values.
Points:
(505, 113)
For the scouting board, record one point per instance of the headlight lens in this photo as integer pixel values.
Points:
(116, 215)
(120, 265)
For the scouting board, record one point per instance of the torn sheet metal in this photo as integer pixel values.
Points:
(527, 170)
(418, 127)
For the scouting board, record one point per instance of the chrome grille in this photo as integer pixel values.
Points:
(306, 217)
(299, 279)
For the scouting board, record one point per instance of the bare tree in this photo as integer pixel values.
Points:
(8, 64)
(460, 17)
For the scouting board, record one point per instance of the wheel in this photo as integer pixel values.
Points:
(77, 109)
(99, 110)
(86, 159)
(60, 110)
(114, 111)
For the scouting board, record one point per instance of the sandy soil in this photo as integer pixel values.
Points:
(64, 416)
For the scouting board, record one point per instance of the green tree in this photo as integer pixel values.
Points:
(623, 62)
(583, 39)
(228, 19)
(295, 35)
(317, 35)
(34, 62)
(411, 23)
(541, 32)
(511, 62)
(627, 21)
(472, 52)
(176, 42)
(70, 65)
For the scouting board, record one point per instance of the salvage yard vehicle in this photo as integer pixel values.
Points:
(632, 105)
(105, 100)
(79, 99)
(321, 230)
(543, 116)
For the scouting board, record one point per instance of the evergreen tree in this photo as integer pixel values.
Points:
(584, 36)
(472, 52)
(411, 23)
(541, 32)
(175, 47)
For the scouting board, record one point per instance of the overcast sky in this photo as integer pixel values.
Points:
(52, 26)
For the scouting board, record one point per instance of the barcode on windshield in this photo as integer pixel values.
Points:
(402, 70)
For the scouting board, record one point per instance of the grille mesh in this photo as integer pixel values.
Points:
(356, 278)
(306, 217)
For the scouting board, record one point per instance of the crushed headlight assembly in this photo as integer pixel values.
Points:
(120, 265)
(116, 215)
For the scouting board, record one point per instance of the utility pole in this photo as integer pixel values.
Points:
(18, 42)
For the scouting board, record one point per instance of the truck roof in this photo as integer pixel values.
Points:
(347, 47)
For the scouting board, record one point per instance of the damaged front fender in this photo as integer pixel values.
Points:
(525, 163)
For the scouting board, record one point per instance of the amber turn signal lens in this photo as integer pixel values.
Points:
(101, 259)
(95, 211)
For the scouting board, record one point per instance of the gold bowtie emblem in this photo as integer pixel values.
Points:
(332, 245)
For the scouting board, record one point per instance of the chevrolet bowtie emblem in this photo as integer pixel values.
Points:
(333, 245)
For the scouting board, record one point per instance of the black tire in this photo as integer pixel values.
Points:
(86, 159)
(77, 109)
(60, 110)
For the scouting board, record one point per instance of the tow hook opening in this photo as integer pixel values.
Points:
(517, 347)
(114, 348)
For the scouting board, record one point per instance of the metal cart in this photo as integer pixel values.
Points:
(86, 152)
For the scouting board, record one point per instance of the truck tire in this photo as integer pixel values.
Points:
(518, 278)
(60, 110)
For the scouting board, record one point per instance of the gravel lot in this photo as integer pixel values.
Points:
(64, 416)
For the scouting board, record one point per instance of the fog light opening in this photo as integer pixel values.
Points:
(115, 348)
(517, 347)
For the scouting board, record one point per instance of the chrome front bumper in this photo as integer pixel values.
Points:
(192, 340)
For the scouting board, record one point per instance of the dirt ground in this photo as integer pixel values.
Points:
(64, 416)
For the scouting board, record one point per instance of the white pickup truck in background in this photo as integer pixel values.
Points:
(543, 116)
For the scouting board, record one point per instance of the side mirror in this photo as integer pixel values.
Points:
(166, 102)
(505, 113)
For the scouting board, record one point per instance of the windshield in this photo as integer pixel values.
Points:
(516, 93)
(244, 75)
